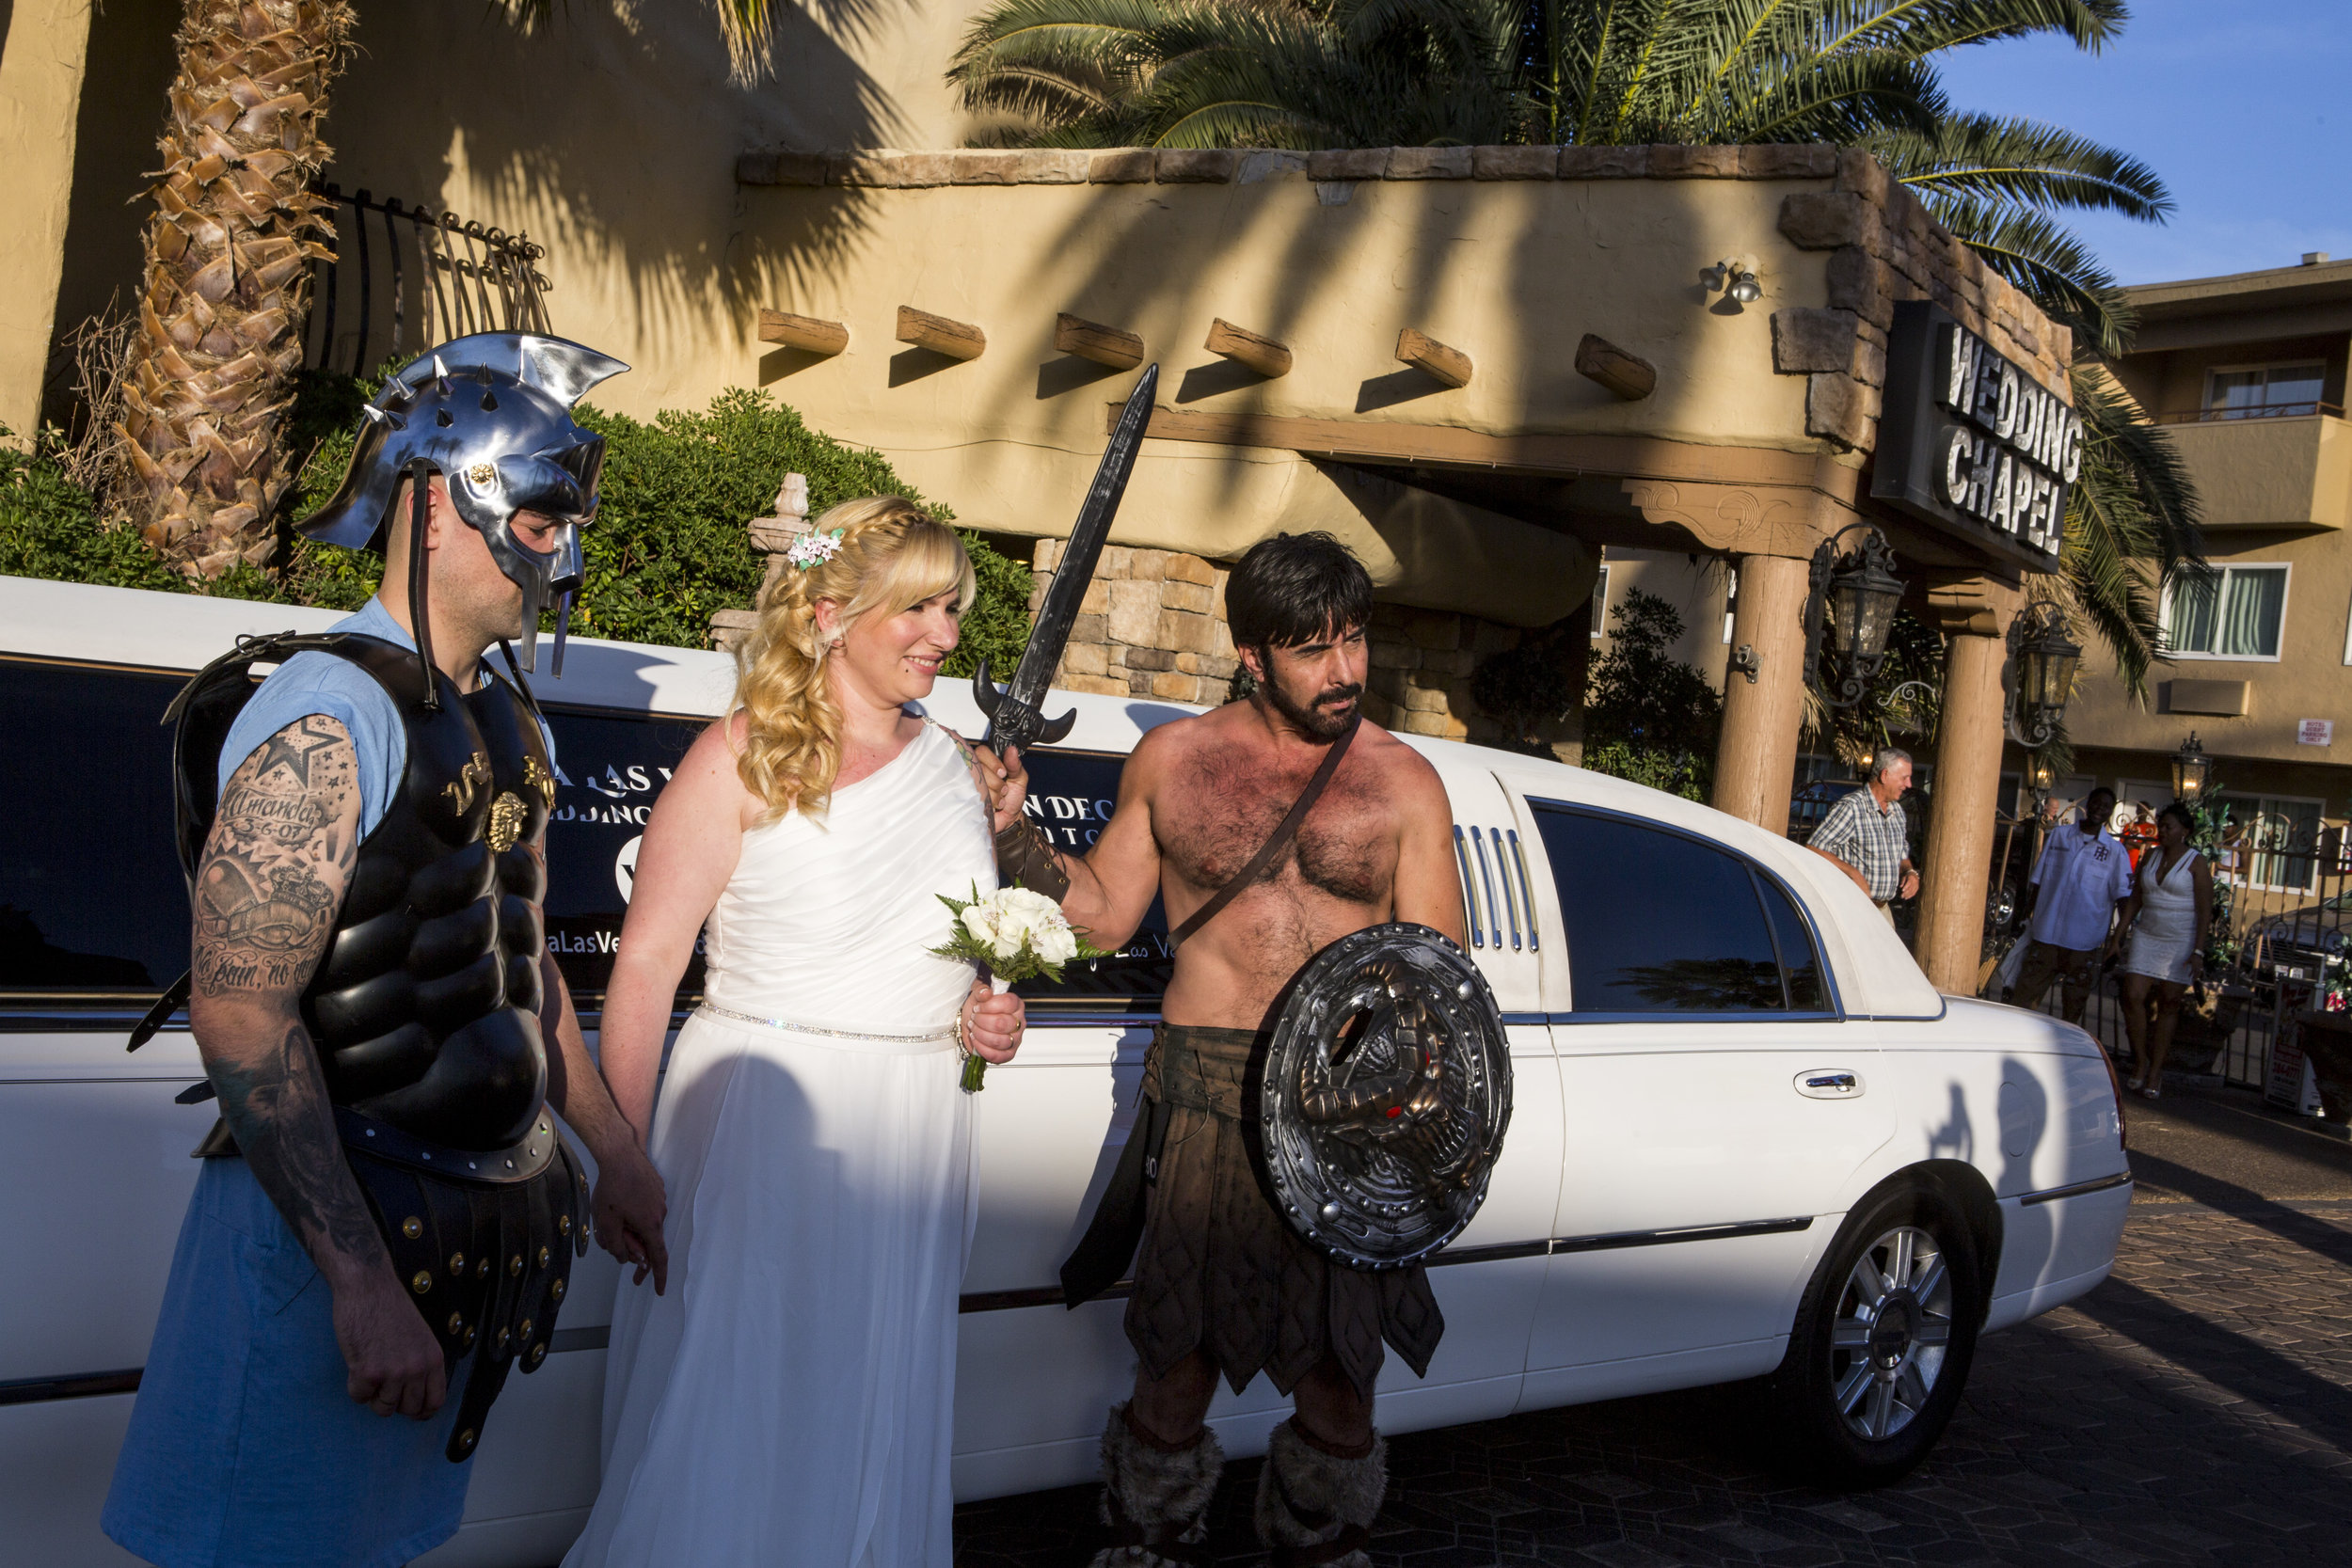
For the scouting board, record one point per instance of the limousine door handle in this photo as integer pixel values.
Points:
(1828, 1083)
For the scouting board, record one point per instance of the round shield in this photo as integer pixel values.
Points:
(1386, 1091)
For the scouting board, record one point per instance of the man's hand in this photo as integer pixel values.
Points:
(993, 1024)
(392, 1363)
(631, 1206)
(1004, 782)
(1910, 886)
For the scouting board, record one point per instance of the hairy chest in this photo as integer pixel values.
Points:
(1210, 830)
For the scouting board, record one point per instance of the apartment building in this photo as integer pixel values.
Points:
(2247, 373)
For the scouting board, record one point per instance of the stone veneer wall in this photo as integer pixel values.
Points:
(1153, 624)
(1887, 248)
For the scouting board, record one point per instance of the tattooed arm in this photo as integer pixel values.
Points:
(273, 873)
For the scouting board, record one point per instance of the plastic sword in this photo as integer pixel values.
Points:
(1015, 714)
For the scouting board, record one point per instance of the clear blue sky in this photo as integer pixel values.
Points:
(2237, 105)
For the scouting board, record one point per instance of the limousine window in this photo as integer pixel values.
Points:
(1071, 796)
(1657, 921)
(92, 905)
(610, 768)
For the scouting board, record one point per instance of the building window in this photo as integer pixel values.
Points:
(2272, 843)
(1600, 602)
(2229, 612)
(2263, 391)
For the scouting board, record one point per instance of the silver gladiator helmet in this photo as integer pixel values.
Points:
(491, 414)
(1386, 1095)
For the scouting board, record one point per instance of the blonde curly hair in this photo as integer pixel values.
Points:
(893, 555)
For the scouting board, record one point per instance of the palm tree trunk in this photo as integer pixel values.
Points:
(227, 283)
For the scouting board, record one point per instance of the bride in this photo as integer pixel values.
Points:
(792, 1403)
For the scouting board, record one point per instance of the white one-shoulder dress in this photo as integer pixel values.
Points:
(790, 1400)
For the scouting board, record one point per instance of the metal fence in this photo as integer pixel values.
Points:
(2287, 890)
(404, 278)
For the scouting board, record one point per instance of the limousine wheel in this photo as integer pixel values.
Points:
(1880, 1353)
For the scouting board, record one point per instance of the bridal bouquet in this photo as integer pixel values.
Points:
(1015, 935)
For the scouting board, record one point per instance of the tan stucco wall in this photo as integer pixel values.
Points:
(2308, 680)
(2265, 473)
(42, 70)
(1511, 273)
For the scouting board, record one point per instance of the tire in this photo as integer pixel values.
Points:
(1880, 1353)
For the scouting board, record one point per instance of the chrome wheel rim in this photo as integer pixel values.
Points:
(1891, 1333)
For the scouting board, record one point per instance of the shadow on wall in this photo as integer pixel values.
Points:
(1511, 271)
(609, 133)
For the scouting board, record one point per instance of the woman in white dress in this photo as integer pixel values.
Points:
(2171, 905)
(791, 1401)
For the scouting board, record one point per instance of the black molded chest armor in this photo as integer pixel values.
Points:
(426, 1005)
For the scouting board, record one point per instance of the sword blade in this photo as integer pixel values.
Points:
(1019, 706)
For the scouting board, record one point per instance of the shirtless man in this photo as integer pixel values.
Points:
(1222, 1281)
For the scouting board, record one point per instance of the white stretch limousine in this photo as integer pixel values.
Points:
(1748, 1138)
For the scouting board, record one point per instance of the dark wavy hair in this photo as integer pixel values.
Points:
(1294, 587)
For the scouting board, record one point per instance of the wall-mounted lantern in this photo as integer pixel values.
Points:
(1851, 609)
(2044, 659)
(2191, 771)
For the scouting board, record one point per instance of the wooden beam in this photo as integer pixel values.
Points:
(1562, 454)
(1425, 353)
(804, 332)
(956, 339)
(1262, 354)
(1629, 375)
(1105, 345)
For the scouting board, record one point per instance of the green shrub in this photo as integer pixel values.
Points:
(1649, 716)
(668, 546)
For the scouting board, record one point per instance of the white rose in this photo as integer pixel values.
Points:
(1056, 943)
(980, 920)
(1034, 910)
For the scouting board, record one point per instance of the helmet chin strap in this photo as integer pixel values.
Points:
(562, 629)
(420, 514)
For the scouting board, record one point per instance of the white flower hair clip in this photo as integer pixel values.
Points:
(811, 549)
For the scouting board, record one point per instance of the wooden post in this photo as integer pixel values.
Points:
(802, 332)
(1756, 751)
(1105, 345)
(1952, 885)
(956, 339)
(1262, 354)
(1440, 362)
(1629, 376)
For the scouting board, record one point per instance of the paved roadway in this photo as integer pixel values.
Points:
(2195, 1409)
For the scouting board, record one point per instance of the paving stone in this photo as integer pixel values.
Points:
(2196, 1409)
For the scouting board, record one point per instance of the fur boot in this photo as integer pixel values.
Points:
(1315, 1508)
(1155, 1499)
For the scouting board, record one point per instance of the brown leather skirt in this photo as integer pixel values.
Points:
(1221, 1271)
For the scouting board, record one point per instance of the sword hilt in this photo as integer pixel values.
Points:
(1012, 722)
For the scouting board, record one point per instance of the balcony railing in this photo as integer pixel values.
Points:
(2274, 411)
(404, 278)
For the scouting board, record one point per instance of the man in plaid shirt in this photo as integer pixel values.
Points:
(1867, 836)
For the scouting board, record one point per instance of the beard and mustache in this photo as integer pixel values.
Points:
(1314, 720)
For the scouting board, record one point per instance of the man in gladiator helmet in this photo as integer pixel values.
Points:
(386, 1205)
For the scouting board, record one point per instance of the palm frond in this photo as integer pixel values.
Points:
(2050, 264)
(2024, 162)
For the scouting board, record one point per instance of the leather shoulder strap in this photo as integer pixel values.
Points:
(1272, 849)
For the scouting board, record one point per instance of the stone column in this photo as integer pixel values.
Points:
(772, 537)
(1755, 755)
(1953, 883)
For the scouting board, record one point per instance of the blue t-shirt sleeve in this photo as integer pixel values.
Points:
(324, 683)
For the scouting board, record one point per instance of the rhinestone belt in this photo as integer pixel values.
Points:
(785, 1024)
